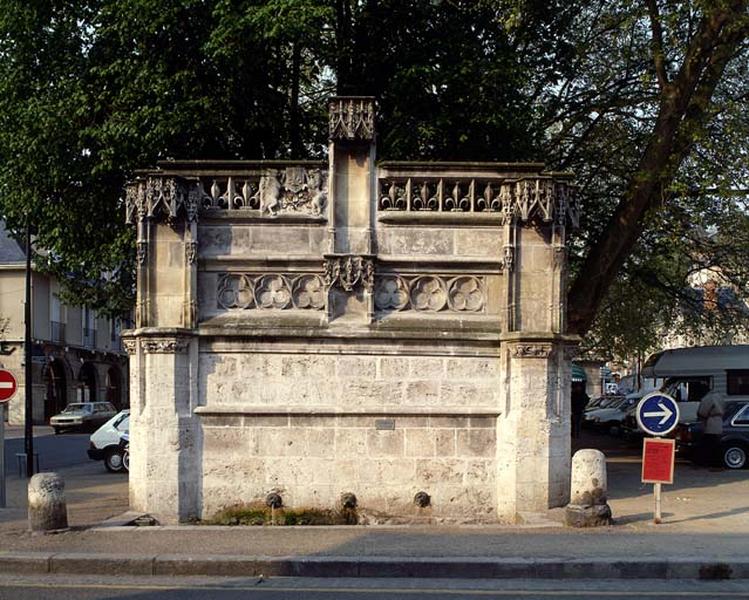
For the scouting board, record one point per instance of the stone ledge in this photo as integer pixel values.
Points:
(329, 411)
(250, 215)
(402, 217)
(358, 337)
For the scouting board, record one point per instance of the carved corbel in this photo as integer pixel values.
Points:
(349, 272)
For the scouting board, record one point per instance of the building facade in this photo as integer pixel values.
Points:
(77, 356)
(395, 331)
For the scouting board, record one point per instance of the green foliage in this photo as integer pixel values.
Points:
(91, 90)
(259, 514)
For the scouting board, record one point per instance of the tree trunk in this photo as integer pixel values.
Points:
(682, 112)
(297, 148)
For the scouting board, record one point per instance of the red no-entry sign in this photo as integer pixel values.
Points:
(8, 385)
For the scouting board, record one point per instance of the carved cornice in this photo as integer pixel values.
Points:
(352, 119)
(349, 271)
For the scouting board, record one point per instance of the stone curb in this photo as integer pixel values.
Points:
(343, 566)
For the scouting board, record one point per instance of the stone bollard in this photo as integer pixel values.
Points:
(47, 508)
(588, 506)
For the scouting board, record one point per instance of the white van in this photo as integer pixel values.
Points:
(105, 442)
(690, 373)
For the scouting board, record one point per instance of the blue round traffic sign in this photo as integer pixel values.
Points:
(657, 413)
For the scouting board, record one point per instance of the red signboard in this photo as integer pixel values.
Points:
(8, 385)
(658, 460)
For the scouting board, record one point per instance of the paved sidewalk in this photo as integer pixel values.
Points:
(705, 534)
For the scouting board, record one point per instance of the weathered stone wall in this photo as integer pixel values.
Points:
(381, 330)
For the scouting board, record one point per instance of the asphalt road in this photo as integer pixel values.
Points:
(90, 588)
(55, 451)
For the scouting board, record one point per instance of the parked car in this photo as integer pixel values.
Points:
(125, 445)
(105, 443)
(611, 417)
(734, 443)
(83, 416)
(602, 401)
(630, 428)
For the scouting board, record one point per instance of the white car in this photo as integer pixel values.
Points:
(611, 418)
(106, 442)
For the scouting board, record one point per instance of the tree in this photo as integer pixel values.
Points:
(677, 73)
(645, 100)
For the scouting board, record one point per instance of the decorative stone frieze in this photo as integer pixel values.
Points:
(243, 291)
(349, 271)
(293, 190)
(532, 351)
(517, 200)
(299, 190)
(429, 293)
(164, 345)
(351, 119)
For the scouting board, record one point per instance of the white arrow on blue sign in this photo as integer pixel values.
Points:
(657, 413)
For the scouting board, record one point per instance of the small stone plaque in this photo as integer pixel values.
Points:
(385, 424)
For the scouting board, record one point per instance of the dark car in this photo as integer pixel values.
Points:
(83, 416)
(734, 443)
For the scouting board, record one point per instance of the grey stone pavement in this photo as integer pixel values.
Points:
(705, 521)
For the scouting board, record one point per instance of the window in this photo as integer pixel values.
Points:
(742, 417)
(687, 389)
(738, 382)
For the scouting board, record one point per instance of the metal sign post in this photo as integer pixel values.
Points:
(657, 414)
(8, 387)
(2, 456)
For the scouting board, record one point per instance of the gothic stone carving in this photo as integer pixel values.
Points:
(524, 200)
(271, 291)
(191, 252)
(141, 252)
(131, 346)
(295, 190)
(349, 271)
(157, 197)
(164, 345)
(352, 119)
(430, 293)
(532, 351)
